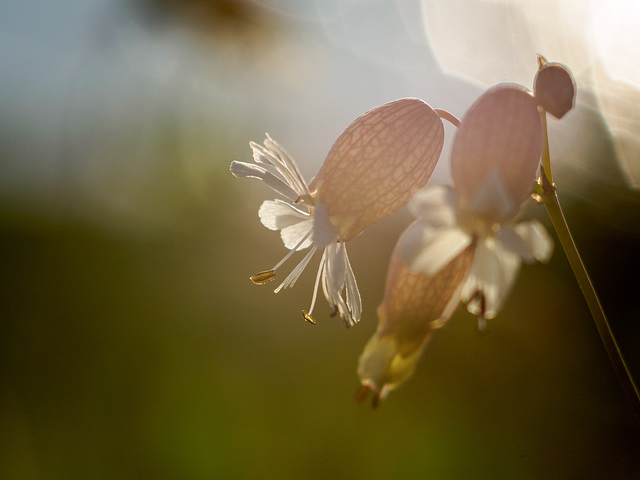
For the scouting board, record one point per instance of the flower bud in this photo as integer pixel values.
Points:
(501, 135)
(378, 163)
(555, 89)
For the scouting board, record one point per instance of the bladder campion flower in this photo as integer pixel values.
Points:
(372, 170)
(414, 305)
(494, 160)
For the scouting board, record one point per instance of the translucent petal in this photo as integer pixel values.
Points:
(324, 232)
(289, 163)
(274, 155)
(293, 234)
(276, 214)
(491, 278)
(248, 170)
(336, 268)
(436, 204)
(537, 238)
(427, 250)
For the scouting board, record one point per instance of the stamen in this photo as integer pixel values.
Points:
(263, 277)
(308, 318)
(293, 250)
(315, 287)
(482, 325)
(482, 319)
(292, 278)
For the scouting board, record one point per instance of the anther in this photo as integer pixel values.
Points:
(308, 318)
(263, 277)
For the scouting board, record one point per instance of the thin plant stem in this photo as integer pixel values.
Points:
(550, 199)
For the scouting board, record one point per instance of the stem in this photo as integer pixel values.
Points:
(546, 156)
(550, 198)
(448, 116)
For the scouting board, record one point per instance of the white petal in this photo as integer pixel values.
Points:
(296, 272)
(428, 250)
(288, 161)
(276, 215)
(324, 232)
(537, 238)
(292, 235)
(437, 204)
(336, 275)
(274, 155)
(492, 275)
(336, 268)
(248, 170)
(354, 302)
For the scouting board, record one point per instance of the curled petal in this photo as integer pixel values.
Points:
(378, 163)
(490, 279)
(500, 131)
(338, 276)
(530, 240)
(248, 170)
(274, 155)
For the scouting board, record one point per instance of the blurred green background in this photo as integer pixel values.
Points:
(133, 345)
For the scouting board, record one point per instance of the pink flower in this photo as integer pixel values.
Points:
(372, 170)
(466, 244)
(494, 162)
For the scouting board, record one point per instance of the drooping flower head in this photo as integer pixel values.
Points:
(494, 162)
(372, 170)
(500, 140)
(414, 305)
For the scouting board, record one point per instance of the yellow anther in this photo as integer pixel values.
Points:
(263, 277)
(308, 318)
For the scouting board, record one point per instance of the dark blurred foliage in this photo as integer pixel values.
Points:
(211, 17)
(133, 345)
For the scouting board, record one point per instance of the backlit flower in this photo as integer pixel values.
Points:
(372, 170)
(494, 160)
(414, 305)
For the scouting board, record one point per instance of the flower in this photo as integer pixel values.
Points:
(372, 170)
(414, 305)
(466, 244)
(494, 160)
